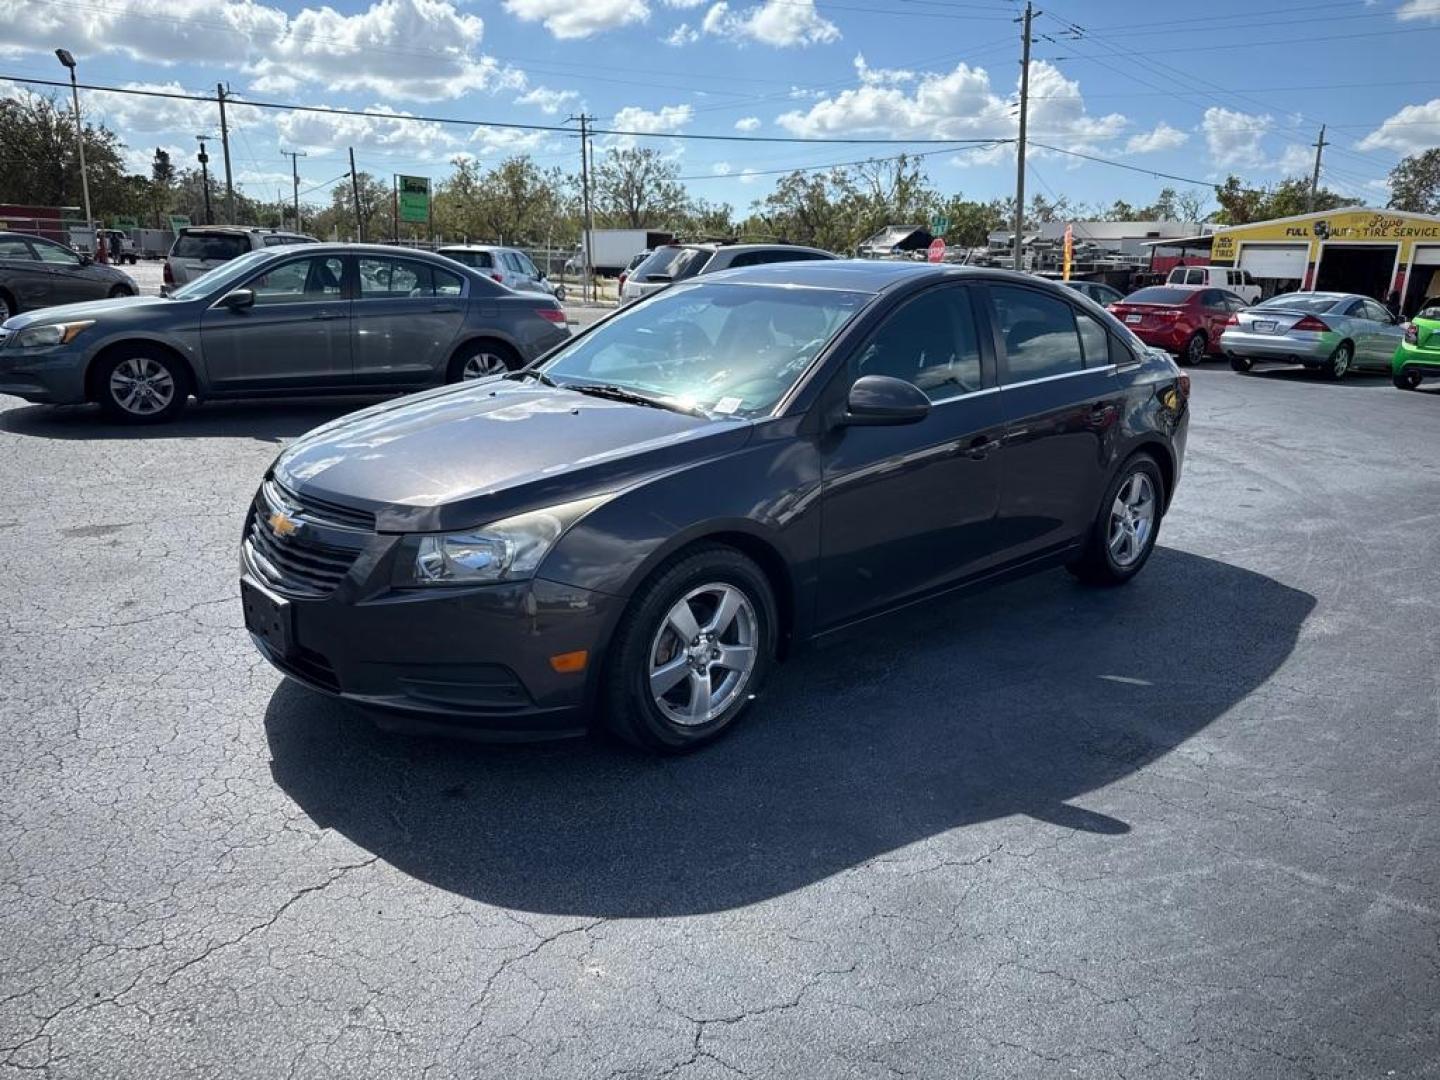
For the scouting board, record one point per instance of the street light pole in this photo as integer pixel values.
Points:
(204, 160)
(64, 56)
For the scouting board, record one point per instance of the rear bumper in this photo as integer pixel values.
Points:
(1277, 347)
(1424, 362)
(1170, 338)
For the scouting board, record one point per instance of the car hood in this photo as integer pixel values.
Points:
(91, 309)
(461, 456)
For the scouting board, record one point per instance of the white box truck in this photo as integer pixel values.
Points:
(612, 249)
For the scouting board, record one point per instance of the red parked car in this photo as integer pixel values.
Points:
(1183, 319)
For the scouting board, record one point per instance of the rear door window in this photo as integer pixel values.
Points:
(394, 279)
(1039, 332)
(14, 248)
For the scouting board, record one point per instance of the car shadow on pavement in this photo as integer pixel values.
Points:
(1354, 380)
(1010, 702)
(266, 420)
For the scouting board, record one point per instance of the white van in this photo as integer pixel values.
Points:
(1238, 282)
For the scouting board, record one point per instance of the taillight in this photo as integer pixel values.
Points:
(1310, 322)
(551, 314)
(1412, 334)
(168, 275)
(1233, 320)
(622, 280)
(1169, 313)
(497, 277)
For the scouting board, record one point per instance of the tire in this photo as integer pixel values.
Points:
(1108, 558)
(118, 291)
(1406, 380)
(647, 644)
(8, 308)
(478, 359)
(560, 293)
(1339, 363)
(1241, 364)
(159, 371)
(1194, 350)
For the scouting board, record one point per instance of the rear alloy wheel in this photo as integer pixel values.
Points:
(1339, 362)
(1194, 350)
(1125, 529)
(1241, 364)
(1406, 380)
(7, 307)
(142, 386)
(482, 360)
(119, 291)
(692, 652)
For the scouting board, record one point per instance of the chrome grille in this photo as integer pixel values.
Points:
(312, 560)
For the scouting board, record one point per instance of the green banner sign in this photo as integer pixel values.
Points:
(123, 222)
(939, 225)
(414, 198)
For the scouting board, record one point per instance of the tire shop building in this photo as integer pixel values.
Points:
(1353, 249)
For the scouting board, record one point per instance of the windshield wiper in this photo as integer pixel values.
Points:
(620, 393)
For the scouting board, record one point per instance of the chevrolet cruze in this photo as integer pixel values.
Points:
(636, 529)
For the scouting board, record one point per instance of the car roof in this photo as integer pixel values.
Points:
(864, 275)
(468, 247)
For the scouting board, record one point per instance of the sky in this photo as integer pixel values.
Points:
(1198, 90)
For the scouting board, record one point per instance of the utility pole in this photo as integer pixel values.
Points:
(585, 202)
(1320, 145)
(204, 160)
(225, 147)
(355, 190)
(1020, 143)
(295, 156)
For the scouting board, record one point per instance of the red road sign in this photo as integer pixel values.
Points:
(937, 250)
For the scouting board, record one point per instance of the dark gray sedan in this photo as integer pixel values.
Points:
(323, 318)
(37, 273)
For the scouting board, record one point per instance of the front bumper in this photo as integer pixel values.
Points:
(1310, 350)
(50, 376)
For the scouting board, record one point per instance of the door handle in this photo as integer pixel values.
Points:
(441, 309)
(980, 447)
(321, 316)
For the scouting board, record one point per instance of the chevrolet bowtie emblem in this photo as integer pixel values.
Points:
(281, 524)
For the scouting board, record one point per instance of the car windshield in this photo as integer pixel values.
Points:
(1160, 295)
(728, 350)
(673, 264)
(1306, 302)
(210, 281)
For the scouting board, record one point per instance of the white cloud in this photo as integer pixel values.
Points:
(1296, 160)
(424, 50)
(546, 100)
(683, 4)
(1234, 138)
(1412, 129)
(959, 104)
(491, 140)
(779, 23)
(747, 176)
(747, 123)
(386, 130)
(139, 115)
(1418, 9)
(722, 168)
(683, 34)
(662, 121)
(880, 76)
(1161, 137)
(579, 18)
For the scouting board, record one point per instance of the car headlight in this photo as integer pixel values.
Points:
(507, 550)
(50, 334)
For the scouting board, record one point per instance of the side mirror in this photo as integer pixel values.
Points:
(86, 260)
(540, 274)
(882, 401)
(240, 299)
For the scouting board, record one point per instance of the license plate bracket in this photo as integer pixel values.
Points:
(268, 617)
(1265, 326)
(1133, 319)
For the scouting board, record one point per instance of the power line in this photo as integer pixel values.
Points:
(845, 164)
(498, 124)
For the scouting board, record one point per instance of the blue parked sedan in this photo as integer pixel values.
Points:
(317, 319)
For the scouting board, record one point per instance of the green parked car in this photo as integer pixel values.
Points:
(1418, 355)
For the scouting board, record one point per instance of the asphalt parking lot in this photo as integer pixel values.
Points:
(1186, 828)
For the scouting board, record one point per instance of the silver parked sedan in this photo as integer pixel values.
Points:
(294, 320)
(1325, 331)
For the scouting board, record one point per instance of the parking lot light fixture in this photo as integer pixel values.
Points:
(68, 59)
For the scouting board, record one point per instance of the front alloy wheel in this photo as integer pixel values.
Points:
(142, 387)
(692, 651)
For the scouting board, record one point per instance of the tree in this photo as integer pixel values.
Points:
(1240, 205)
(638, 188)
(1415, 184)
(807, 208)
(39, 164)
(971, 223)
(1190, 205)
(516, 202)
